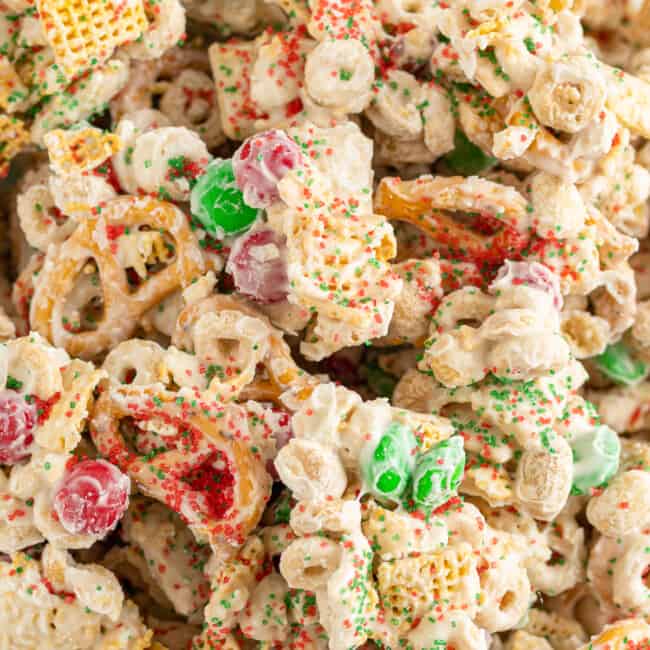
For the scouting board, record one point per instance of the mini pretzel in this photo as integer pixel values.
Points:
(123, 307)
(428, 202)
(279, 371)
(194, 437)
(13, 138)
(84, 33)
(79, 149)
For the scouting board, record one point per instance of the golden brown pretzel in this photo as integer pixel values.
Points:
(428, 201)
(123, 306)
(188, 455)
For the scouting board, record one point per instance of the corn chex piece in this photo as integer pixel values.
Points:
(13, 137)
(79, 149)
(412, 586)
(84, 33)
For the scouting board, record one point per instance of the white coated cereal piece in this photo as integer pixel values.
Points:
(172, 560)
(16, 532)
(265, 616)
(410, 587)
(568, 94)
(615, 300)
(232, 584)
(349, 594)
(405, 156)
(330, 515)
(455, 629)
(361, 16)
(339, 75)
(311, 470)
(488, 481)
(416, 391)
(395, 108)
(559, 209)
(98, 88)
(276, 538)
(523, 357)
(521, 640)
(36, 364)
(563, 633)
(566, 540)
(543, 479)
(147, 169)
(269, 89)
(624, 505)
(641, 264)
(34, 613)
(586, 334)
(421, 289)
(231, 65)
(162, 318)
(623, 408)
(188, 101)
(505, 589)
(95, 587)
(604, 555)
(395, 535)
(343, 155)
(614, 247)
(77, 194)
(639, 335)
(619, 635)
(439, 122)
(137, 362)
(619, 187)
(321, 416)
(321, 242)
(628, 583)
(220, 352)
(37, 216)
(167, 29)
(309, 562)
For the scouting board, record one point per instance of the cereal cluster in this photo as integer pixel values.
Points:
(324, 324)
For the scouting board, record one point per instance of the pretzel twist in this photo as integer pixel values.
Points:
(123, 306)
(193, 436)
(428, 203)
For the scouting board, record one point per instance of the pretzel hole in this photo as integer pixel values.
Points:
(507, 600)
(139, 441)
(144, 253)
(83, 309)
(645, 577)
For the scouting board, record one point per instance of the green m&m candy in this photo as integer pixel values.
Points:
(387, 463)
(595, 458)
(619, 365)
(438, 473)
(218, 204)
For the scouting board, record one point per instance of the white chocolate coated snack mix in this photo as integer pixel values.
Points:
(324, 324)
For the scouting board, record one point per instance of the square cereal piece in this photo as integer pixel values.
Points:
(84, 33)
(80, 149)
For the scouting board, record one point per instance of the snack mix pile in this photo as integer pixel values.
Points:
(325, 324)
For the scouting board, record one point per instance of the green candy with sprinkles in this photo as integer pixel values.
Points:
(218, 204)
(595, 458)
(438, 473)
(387, 463)
(231, 195)
(619, 365)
